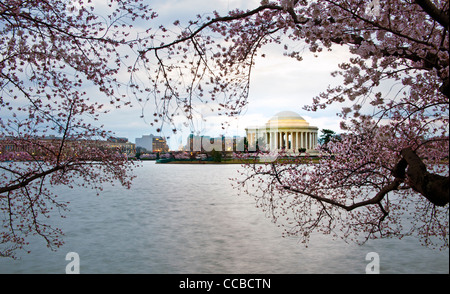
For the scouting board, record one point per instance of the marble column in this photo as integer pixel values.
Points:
(307, 140)
(294, 141)
(277, 144)
(301, 140)
(310, 140)
(290, 140)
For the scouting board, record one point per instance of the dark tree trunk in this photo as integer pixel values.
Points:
(432, 186)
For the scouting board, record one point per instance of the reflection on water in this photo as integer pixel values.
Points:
(188, 219)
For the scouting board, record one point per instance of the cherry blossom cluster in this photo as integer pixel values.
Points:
(395, 115)
(57, 59)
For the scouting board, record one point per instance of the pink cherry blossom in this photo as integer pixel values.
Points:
(387, 168)
(50, 53)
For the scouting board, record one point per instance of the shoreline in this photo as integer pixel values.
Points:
(237, 161)
(233, 161)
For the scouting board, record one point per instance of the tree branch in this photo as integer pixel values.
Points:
(374, 200)
(434, 187)
(209, 23)
(25, 182)
(438, 15)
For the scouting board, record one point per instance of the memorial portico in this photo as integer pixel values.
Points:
(287, 131)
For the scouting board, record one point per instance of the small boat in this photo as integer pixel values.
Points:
(163, 160)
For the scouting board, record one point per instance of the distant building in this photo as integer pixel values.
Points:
(34, 145)
(152, 143)
(117, 139)
(121, 144)
(286, 130)
(207, 143)
(159, 144)
(145, 142)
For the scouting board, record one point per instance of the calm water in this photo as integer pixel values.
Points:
(188, 219)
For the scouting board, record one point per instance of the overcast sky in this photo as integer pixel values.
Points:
(278, 83)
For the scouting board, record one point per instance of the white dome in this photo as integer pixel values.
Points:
(287, 119)
(287, 115)
(286, 130)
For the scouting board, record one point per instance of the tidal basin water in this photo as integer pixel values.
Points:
(188, 219)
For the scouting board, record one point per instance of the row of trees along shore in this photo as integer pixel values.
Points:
(63, 63)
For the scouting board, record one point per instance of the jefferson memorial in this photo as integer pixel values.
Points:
(287, 131)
